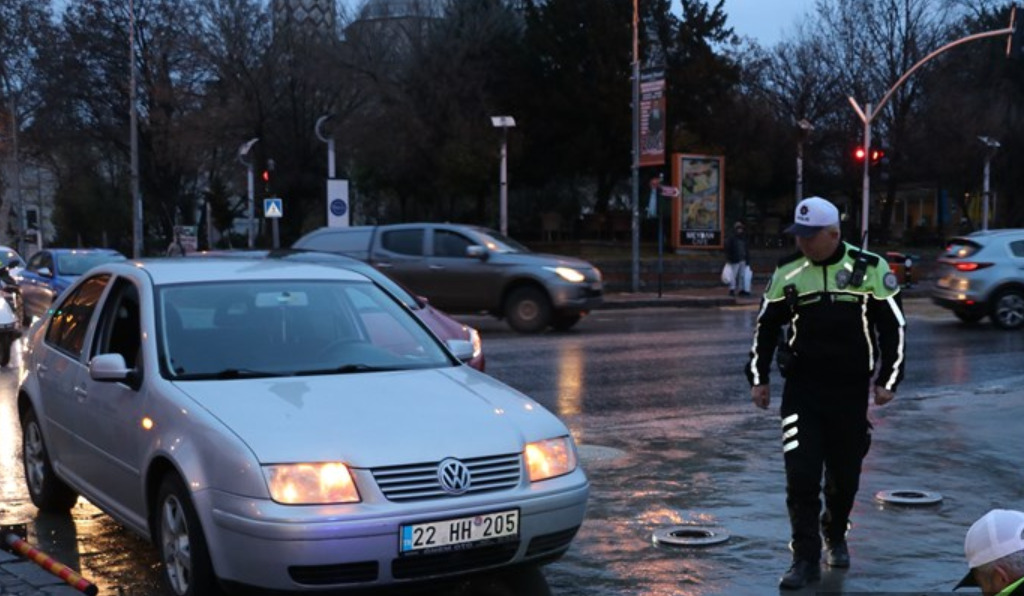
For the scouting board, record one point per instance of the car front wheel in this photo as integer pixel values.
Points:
(528, 310)
(47, 492)
(1008, 309)
(182, 545)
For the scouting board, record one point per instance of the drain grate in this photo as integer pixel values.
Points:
(688, 536)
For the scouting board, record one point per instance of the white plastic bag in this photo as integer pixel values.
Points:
(728, 274)
(748, 277)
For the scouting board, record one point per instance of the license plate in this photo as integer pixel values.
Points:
(463, 532)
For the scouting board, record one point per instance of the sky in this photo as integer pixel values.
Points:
(765, 20)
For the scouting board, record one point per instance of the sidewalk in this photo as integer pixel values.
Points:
(709, 297)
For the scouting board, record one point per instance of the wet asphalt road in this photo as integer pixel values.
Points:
(657, 402)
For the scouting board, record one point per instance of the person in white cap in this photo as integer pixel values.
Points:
(994, 548)
(845, 330)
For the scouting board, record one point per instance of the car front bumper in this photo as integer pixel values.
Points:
(582, 297)
(260, 543)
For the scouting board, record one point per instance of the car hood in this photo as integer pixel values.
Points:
(376, 419)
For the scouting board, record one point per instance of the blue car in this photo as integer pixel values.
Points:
(50, 271)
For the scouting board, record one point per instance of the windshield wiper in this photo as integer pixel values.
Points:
(232, 373)
(349, 368)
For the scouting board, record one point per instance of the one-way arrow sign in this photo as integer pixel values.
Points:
(669, 191)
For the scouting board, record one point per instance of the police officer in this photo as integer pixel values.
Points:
(845, 328)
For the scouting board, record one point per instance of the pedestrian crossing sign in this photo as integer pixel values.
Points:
(272, 207)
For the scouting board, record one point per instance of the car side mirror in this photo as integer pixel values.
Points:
(462, 349)
(477, 252)
(45, 272)
(111, 368)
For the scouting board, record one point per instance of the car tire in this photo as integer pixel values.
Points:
(528, 310)
(181, 542)
(969, 317)
(565, 321)
(1008, 309)
(47, 491)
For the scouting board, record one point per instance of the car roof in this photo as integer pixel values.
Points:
(996, 233)
(177, 270)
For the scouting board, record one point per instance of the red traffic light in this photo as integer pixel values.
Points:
(859, 153)
(265, 175)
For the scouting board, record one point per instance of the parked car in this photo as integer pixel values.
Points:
(440, 323)
(470, 269)
(11, 259)
(982, 274)
(50, 271)
(287, 426)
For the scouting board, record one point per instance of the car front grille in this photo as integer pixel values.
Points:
(419, 482)
(454, 562)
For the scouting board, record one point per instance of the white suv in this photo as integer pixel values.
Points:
(983, 274)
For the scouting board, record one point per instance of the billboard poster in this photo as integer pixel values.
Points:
(652, 118)
(698, 214)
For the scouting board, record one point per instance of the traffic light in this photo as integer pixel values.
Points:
(858, 154)
(265, 175)
(877, 155)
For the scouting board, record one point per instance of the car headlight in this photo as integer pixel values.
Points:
(550, 458)
(568, 274)
(311, 484)
(474, 338)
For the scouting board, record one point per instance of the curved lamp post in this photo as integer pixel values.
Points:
(246, 160)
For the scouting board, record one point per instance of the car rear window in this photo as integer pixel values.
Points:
(961, 248)
(349, 241)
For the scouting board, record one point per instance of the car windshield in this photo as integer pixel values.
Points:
(77, 263)
(11, 258)
(495, 242)
(230, 330)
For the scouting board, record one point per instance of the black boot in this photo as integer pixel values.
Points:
(800, 573)
(838, 554)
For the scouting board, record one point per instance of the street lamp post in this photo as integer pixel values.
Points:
(246, 160)
(320, 122)
(805, 129)
(137, 242)
(992, 146)
(504, 123)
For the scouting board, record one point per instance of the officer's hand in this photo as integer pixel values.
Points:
(761, 395)
(883, 395)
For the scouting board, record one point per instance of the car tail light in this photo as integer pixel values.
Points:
(971, 266)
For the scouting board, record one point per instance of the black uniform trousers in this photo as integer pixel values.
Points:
(825, 431)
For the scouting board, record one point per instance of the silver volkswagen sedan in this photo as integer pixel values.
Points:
(287, 426)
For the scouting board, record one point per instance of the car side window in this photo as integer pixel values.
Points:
(71, 317)
(37, 261)
(403, 242)
(450, 244)
(1017, 248)
(119, 331)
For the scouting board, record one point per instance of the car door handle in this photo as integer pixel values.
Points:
(382, 265)
(41, 369)
(435, 267)
(81, 393)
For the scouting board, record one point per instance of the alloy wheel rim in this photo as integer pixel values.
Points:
(175, 545)
(1011, 310)
(34, 458)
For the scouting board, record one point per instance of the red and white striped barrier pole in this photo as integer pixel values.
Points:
(45, 561)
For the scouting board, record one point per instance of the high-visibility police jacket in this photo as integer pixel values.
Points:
(837, 330)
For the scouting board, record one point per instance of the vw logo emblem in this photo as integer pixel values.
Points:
(453, 476)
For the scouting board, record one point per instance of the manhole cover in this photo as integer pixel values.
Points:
(679, 536)
(908, 497)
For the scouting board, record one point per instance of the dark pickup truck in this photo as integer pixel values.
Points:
(469, 269)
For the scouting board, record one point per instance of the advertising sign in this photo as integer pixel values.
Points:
(698, 212)
(652, 118)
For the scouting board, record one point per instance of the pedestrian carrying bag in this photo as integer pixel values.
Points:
(728, 274)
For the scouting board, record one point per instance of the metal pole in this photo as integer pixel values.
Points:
(19, 206)
(137, 241)
(799, 170)
(985, 192)
(503, 201)
(865, 197)
(636, 150)
(250, 207)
